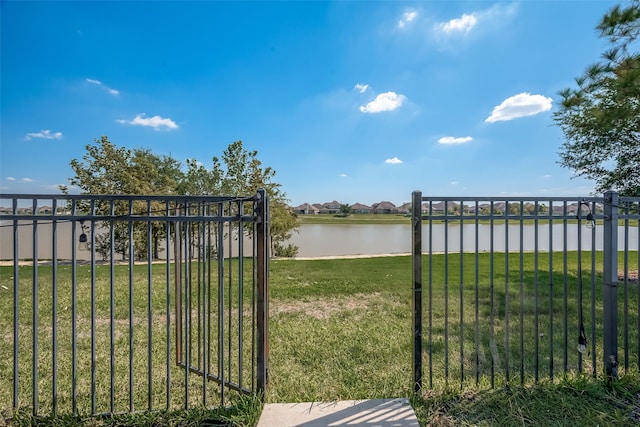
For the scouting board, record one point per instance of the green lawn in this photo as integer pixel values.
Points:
(341, 329)
(133, 326)
(406, 219)
(354, 219)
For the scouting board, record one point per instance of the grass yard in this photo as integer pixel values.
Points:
(136, 324)
(342, 329)
(574, 401)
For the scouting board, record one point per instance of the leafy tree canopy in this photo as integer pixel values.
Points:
(106, 168)
(239, 172)
(345, 209)
(601, 117)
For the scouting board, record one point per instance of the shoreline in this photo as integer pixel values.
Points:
(7, 263)
(633, 276)
(355, 256)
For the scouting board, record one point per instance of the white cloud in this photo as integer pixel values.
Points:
(43, 134)
(492, 19)
(387, 101)
(406, 18)
(361, 87)
(27, 180)
(520, 105)
(10, 178)
(464, 24)
(343, 175)
(99, 83)
(455, 140)
(498, 12)
(393, 161)
(454, 183)
(155, 122)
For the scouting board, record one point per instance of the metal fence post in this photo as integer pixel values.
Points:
(416, 240)
(262, 236)
(610, 284)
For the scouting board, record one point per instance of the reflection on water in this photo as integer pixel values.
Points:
(319, 240)
(62, 234)
(316, 240)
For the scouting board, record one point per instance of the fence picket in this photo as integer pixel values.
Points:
(563, 261)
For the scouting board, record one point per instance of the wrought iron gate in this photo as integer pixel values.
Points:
(125, 303)
(211, 278)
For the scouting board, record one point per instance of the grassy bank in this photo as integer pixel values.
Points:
(405, 219)
(354, 219)
(341, 329)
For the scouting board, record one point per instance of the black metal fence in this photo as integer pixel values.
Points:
(112, 304)
(522, 289)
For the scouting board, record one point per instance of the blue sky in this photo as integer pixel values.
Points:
(352, 101)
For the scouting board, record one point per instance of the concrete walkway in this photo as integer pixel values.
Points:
(353, 413)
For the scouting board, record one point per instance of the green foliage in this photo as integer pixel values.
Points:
(243, 173)
(283, 224)
(288, 251)
(103, 246)
(239, 172)
(345, 209)
(106, 168)
(198, 180)
(601, 118)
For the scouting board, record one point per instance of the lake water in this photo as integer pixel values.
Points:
(323, 240)
(360, 239)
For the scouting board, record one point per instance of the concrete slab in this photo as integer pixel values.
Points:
(353, 413)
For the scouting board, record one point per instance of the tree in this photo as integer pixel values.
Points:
(514, 208)
(241, 172)
(345, 209)
(283, 224)
(601, 118)
(529, 208)
(542, 209)
(155, 175)
(108, 169)
(198, 180)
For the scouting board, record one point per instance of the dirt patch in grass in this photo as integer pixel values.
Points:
(323, 308)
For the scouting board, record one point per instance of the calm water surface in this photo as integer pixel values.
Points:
(322, 240)
(319, 240)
